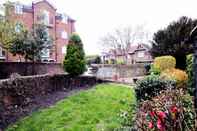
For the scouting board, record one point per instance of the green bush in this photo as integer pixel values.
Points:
(190, 72)
(154, 71)
(150, 86)
(74, 62)
(164, 62)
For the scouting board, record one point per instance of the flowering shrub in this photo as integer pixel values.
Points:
(164, 62)
(170, 111)
(180, 76)
(150, 86)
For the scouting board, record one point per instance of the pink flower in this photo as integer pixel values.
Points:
(150, 125)
(161, 114)
(160, 125)
(174, 109)
(152, 113)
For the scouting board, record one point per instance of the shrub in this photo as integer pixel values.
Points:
(164, 62)
(120, 61)
(74, 62)
(154, 71)
(150, 86)
(172, 110)
(147, 68)
(180, 76)
(190, 72)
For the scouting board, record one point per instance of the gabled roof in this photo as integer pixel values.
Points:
(46, 1)
(137, 47)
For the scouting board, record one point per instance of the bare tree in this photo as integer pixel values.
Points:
(121, 39)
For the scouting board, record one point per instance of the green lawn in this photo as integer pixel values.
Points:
(95, 109)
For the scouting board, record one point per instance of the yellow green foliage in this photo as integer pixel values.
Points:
(164, 62)
(180, 76)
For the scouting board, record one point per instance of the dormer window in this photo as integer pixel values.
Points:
(18, 9)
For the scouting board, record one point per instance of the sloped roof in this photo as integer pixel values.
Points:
(134, 48)
(46, 1)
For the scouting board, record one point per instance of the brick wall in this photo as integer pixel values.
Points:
(26, 68)
(18, 96)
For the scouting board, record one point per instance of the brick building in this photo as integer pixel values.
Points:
(139, 53)
(59, 27)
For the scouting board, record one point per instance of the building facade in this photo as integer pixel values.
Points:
(59, 27)
(139, 53)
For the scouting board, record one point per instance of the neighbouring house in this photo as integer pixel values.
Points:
(59, 27)
(139, 53)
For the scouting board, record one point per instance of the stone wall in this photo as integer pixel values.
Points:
(18, 96)
(121, 71)
(26, 68)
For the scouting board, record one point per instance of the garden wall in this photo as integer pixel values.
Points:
(19, 96)
(26, 68)
(122, 71)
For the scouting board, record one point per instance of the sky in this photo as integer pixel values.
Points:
(96, 18)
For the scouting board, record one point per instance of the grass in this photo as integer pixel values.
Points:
(95, 109)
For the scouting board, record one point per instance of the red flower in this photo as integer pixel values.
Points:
(160, 125)
(150, 125)
(161, 114)
(174, 109)
(152, 113)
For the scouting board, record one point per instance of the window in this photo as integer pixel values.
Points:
(18, 27)
(45, 53)
(64, 35)
(140, 54)
(65, 19)
(18, 9)
(2, 10)
(2, 52)
(64, 50)
(46, 17)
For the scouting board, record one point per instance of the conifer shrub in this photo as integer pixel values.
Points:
(74, 62)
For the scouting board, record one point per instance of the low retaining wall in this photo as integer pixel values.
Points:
(121, 71)
(26, 68)
(18, 95)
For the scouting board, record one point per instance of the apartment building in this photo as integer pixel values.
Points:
(59, 27)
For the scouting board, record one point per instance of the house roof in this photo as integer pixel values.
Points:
(137, 47)
(46, 1)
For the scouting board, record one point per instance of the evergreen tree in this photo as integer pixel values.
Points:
(171, 40)
(74, 62)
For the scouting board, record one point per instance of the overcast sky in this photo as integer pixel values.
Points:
(95, 18)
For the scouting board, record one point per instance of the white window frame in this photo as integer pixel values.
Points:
(46, 19)
(1, 52)
(45, 53)
(64, 49)
(65, 19)
(2, 10)
(19, 9)
(140, 54)
(64, 35)
(18, 27)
